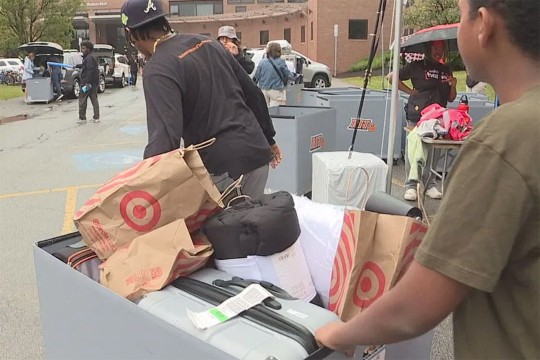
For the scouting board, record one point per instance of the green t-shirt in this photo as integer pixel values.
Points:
(486, 235)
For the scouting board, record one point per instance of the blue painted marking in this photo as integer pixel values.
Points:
(133, 130)
(109, 160)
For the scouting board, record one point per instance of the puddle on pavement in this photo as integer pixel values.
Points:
(14, 118)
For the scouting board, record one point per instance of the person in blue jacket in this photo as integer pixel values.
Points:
(272, 75)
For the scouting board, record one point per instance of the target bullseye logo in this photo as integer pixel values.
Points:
(370, 285)
(140, 210)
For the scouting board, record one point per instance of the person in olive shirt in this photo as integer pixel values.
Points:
(195, 90)
(481, 257)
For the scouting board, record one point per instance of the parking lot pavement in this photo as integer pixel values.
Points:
(50, 167)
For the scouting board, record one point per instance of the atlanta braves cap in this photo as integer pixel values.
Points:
(136, 13)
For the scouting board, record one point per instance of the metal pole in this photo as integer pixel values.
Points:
(335, 48)
(395, 94)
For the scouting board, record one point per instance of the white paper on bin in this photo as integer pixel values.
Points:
(287, 270)
(332, 171)
(320, 226)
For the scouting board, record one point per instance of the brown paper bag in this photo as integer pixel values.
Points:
(155, 259)
(373, 252)
(150, 194)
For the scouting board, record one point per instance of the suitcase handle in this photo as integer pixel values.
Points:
(269, 302)
(321, 353)
(273, 289)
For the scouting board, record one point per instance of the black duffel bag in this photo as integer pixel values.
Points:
(263, 226)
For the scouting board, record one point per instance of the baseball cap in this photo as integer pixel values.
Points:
(227, 31)
(136, 13)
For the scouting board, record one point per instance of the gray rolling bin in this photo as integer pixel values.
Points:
(309, 95)
(479, 106)
(82, 319)
(373, 129)
(300, 131)
(40, 89)
(294, 94)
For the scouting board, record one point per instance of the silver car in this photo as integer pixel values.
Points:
(316, 75)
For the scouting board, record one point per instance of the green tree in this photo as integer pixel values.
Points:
(23, 21)
(426, 13)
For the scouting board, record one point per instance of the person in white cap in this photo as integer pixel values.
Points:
(227, 36)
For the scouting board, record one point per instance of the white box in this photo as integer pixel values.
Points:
(339, 180)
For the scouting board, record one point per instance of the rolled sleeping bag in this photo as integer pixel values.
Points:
(383, 203)
(263, 226)
(52, 63)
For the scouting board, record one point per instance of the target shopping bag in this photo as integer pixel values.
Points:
(153, 260)
(150, 194)
(373, 252)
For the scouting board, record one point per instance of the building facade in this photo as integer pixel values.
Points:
(310, 26)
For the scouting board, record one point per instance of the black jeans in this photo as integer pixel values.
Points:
(83, 101)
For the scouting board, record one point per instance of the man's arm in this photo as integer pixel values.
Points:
(255, 101)
(418, 302)
(164, 114)
(246, 64)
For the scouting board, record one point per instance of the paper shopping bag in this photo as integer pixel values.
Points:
(153, 260)
(150, 194)
(373, 252)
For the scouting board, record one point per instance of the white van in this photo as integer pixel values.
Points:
(316, 75)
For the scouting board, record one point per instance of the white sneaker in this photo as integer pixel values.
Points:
(410, 194)
(95, 121)
(434, 193)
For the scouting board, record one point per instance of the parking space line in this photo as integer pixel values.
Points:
(69, 212)
(398, 183)
(111, 144)
(47, 191)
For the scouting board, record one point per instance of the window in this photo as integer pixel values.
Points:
(240, 9)
(264, 1)
(11, 62)
(358, 29)
(264, 37)
(3, 63)
(297, 1)
(303, 34)
(196, 8)
(311, 31)
(240, 1)
(287, 34)
(239, 35)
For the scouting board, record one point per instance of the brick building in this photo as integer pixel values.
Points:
(307, 25)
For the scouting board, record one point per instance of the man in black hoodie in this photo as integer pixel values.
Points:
(89, 83)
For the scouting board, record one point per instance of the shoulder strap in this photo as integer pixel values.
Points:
(283, 79)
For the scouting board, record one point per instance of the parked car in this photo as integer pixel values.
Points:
(71, 79)
(316, 75)
(11, 64)
(115, 66)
